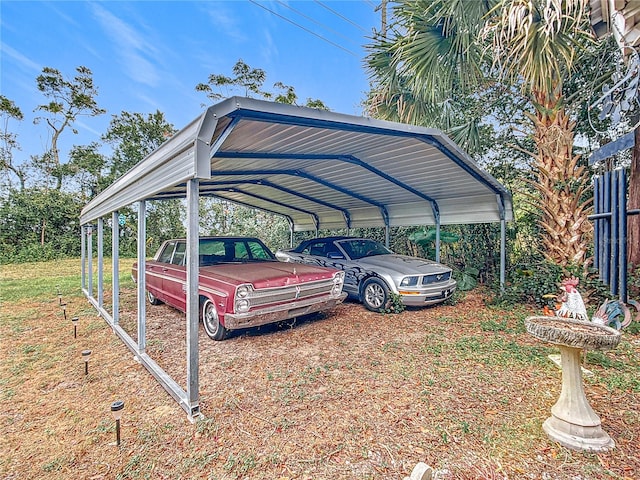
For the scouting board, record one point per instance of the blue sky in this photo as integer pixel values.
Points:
(149, 55)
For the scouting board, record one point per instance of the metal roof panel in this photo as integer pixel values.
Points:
(313, 165)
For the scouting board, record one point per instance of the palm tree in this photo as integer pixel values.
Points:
(439, 51)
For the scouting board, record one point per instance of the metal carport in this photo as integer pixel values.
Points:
(319, 169)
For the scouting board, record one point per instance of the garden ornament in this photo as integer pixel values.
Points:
(572, 305)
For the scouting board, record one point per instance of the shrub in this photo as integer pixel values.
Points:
(538, 283)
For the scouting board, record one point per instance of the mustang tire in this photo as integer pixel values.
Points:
(375, 294)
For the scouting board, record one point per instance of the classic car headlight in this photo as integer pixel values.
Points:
(243, 291)
(242, 305)
(409, 282)
(338, 281)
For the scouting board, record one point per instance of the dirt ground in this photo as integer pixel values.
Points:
(346, 395)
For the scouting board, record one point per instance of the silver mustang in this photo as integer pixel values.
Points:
(372, 271)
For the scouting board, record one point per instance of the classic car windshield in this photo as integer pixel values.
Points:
(217, 250)
(361, 248)
(220, 250)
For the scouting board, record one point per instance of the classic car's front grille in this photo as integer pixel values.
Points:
(267, 296)
(437, 278)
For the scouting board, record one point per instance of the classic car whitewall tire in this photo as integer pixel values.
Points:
(211, 322)
(152, 299)
(375, 294)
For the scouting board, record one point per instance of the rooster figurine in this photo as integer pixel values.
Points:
(613, 313)
(572, 305)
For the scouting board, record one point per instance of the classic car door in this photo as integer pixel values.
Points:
(174, 278)
(155, 271)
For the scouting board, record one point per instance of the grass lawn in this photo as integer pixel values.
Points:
(346, 395)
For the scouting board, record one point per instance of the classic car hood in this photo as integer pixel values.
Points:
(266, 274)
(403, 264)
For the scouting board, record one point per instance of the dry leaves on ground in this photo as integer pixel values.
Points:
(346, 395)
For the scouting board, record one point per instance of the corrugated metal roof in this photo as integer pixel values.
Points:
(320, 169)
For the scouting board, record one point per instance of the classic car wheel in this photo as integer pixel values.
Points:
(152, 299)
(375, 294)
(211, 321)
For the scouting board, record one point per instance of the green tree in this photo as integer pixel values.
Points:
(164, 221)
(221, 217)
(9, 142)
(68, 99)
(39, 224)
(134, 136)
(88, 167)
(441, 51)
(249, 82)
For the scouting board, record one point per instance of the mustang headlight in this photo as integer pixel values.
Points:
(409, 282)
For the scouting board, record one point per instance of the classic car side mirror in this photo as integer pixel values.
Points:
(335, 256)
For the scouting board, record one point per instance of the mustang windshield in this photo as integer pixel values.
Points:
(361, 248)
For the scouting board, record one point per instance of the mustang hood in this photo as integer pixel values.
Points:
(403, 264)
(267, 274)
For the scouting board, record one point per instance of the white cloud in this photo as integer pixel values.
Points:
(133, 49)
(20, 59)
(79, 124)
(268, 48)
(223, 21)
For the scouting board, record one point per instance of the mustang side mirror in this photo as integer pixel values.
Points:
(335, 256)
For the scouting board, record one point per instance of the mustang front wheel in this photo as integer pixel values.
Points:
(211, 322)
(375, 294)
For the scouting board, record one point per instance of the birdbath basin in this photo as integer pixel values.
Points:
(573, 423)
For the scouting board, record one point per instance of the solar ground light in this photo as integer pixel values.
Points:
(74, 320)
(116, 411)
(85, 356)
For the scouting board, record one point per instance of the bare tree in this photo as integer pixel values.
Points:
(68, 99)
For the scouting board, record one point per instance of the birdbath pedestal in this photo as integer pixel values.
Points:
(573, 423)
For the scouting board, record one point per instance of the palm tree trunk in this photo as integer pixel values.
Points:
(561, 184)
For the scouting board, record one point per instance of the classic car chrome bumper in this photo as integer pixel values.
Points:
(254, 318)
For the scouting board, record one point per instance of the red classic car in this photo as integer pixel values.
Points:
(241, 284)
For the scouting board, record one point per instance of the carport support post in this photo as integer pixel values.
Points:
(193, 299)
(100, 262)
(83, 258)
(503, 254)
(115, 265)
(142, 267)
(90, 259)
(436, 217)
(438, 240)
(503, 240)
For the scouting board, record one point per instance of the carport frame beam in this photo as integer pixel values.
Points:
(188, 401)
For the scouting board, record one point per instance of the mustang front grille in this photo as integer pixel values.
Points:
(436, 278)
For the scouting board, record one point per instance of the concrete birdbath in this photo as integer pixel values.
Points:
(573, 423)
